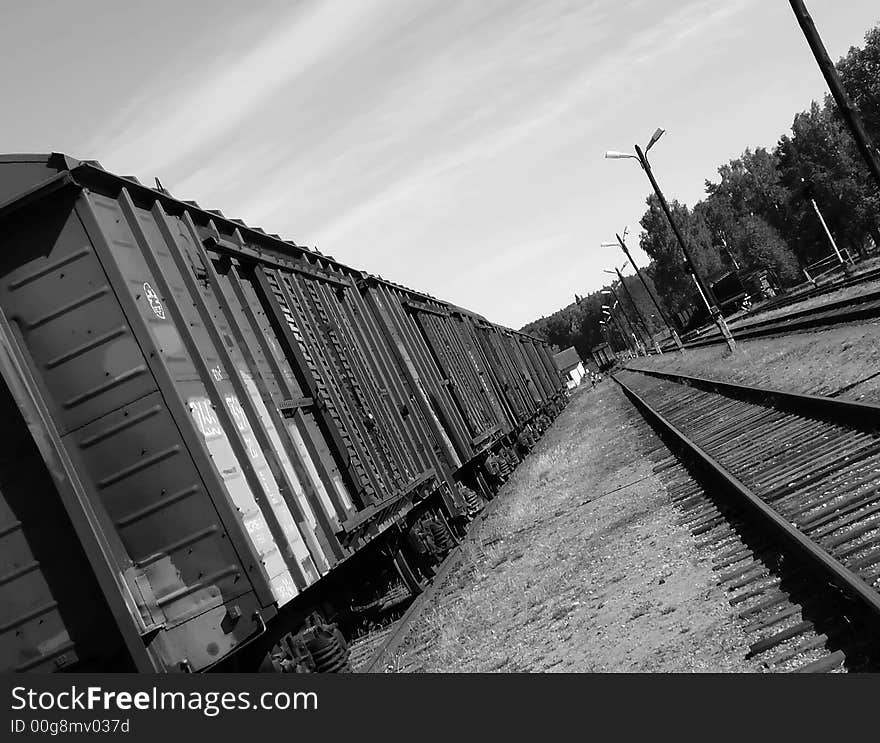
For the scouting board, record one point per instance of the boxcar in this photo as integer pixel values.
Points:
(219, 442)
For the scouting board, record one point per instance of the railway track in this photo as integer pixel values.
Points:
(785, 494)
(828, 287)
(849, 309)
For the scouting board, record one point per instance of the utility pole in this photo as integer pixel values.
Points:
(638, 312)
(630, 326)
(617, 303)
(847, 110)
(631, 348)
(650, 293)
(620, 331)
(606, 332)
(705, 291)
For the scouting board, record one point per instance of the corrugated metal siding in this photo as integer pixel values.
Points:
(449, 368)
(515, 389)
(267, 341)
(408, 359)
(539, 374)
(441, 402)
(459, 373)
(233, 416)
(143, 244)
(111, 416)
(43, 570)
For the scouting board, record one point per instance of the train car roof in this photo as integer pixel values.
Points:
(91, 174)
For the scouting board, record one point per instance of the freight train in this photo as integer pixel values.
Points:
(219, 445)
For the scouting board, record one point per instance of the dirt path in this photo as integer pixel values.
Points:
(582, 567)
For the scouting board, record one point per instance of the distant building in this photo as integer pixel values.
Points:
(570, 365)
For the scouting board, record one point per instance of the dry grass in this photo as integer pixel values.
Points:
(822, 362)
(555, 579)
(542, 471)
(849, 292)
(491, 579)
(487, 578)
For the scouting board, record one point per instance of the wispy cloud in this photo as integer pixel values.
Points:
(173, 120)
(511, 259)
(439, 142)
(490, 136)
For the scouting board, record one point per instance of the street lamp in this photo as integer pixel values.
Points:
(639, 347)
(624, 342)
(606, 313)
(606, 330)
(621, 242)
(606, 333)
(647, 331)
(641, 156)
(848, 111)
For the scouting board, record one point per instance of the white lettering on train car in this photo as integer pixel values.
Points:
(155, 302)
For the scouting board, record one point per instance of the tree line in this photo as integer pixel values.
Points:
(758, 214)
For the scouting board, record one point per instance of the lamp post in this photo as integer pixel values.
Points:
(639, 347)
(609, 336)
(647, 331)
(621, 242)
(606, 330)
(627, 349)
(606, 334)
(606, 316)
(869, 153)
(706, 292)
(606, 313)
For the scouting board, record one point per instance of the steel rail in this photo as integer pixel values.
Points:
(863, 307)
(851, 309)
(785, 300)
(862, 415)
(813, 553)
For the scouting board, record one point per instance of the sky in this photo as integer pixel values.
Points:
(454, 146)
